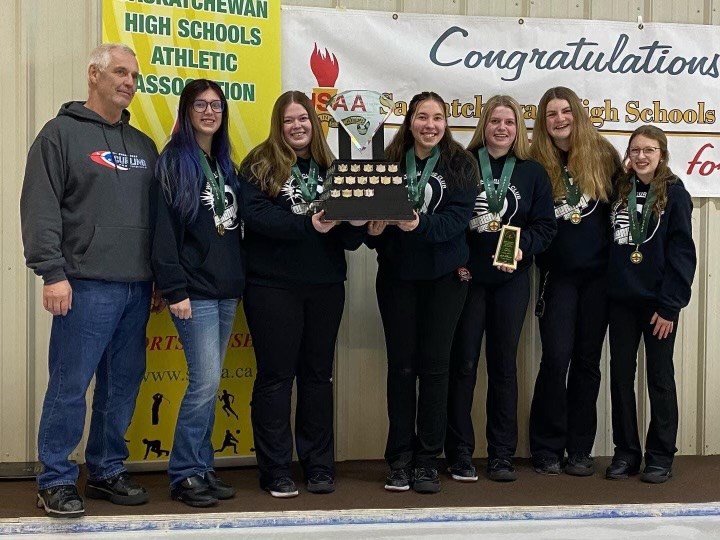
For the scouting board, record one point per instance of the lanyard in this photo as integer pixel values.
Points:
(638, 229)
(416, 188)
(495, 196)
(217, 185)
(307, 189)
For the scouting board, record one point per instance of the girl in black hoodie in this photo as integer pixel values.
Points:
(295, 295)
(199, 269)
(420, 291)
(652, 264)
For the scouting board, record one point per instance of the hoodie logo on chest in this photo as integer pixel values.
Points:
(115, 160)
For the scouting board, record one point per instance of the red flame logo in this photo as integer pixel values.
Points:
(324, 68)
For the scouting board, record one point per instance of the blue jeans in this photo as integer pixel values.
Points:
(102, 335)
(205, 339)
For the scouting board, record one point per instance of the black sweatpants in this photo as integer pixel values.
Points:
(563, 415)
(497, 311)
(419, 318)
(628, 322)
(294, 333)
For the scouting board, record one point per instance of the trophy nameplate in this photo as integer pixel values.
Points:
(366, 190)
(507, 246)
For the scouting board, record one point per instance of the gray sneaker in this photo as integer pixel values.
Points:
(580, 465)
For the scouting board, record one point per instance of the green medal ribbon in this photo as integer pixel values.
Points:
(639, 230)
(572, 190)
(495, 196)
(217, 185)
(307, 189)
(415, 187)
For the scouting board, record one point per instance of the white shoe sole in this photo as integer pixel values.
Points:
(397, 488)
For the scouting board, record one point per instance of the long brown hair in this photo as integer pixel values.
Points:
(270, 162)
(592, 160)
(520, 147)
(663, 175)
(404, 139)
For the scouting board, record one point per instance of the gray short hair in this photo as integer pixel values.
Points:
(100, 56)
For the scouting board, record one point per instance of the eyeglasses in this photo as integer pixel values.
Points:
(647, 151)
(200, 105)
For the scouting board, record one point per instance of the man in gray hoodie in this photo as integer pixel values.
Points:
(85, 226)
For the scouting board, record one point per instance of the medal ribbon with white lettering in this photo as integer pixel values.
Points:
(495, 196)
(573, 191)
(415, 187)
(307, 189)
(217, 186)
(639, 230)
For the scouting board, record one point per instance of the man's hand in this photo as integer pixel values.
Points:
(57, 297)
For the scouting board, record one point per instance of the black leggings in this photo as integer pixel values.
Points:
(499, 312)
(294, 333)
(419, 318)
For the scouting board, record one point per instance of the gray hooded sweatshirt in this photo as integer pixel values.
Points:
(84, 206)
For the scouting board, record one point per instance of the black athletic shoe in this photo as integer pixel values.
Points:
(219, 489)
(398, 480)
(194, 491)
(321, 482)
(120, 489)
(654, 474)
(282, 488)
(620, 469)
(426, 480)
(501, 470)
(463, 471)
(546, 465)
(580, 465)
(61, 501)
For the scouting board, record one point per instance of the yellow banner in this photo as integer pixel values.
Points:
(236, 43)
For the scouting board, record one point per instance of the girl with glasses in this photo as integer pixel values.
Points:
(652, 264)
(572, 300)
(295, 295)
(515, 191)
(199, 268)
(421, 288)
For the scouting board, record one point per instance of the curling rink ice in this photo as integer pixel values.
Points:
(631, 522)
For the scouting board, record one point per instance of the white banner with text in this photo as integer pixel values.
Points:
(626, 74)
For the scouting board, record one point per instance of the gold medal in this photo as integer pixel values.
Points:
(636, 257)
(575, 217)
(494, 225)
(221, 229)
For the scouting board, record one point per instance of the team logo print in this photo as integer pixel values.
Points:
(106, 159)
(229, 220)
(620, 220)
(291, 191)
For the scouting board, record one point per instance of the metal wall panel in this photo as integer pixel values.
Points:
(43, 64)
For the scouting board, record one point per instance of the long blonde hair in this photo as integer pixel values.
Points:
(592, 160)
(269, 163)
(521, 146)
(663, 175)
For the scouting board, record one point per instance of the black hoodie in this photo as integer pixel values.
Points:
(85, 199)
(665, 275)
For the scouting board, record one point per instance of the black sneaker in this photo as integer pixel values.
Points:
(546, 465)
(580, 465)
(61, 501)
(501, 470)
(654, 474)
(194, 491)
(120, 489)
(620, 469)
(398, 480)
(218, 489)
(282, 488)
(425, 480)
(321, 482)
(463, 471)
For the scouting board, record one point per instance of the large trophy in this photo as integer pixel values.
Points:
(368, 189)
